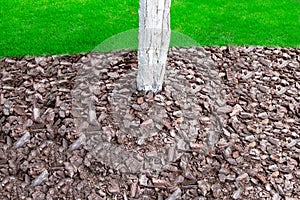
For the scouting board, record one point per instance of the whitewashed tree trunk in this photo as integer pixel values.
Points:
(154, 40)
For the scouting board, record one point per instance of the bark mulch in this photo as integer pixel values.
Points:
(225, 126)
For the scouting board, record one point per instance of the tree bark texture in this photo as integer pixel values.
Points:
(153, 41)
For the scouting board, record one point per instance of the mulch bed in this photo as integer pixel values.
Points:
(245, 142)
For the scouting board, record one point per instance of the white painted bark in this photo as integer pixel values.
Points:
(153, 45)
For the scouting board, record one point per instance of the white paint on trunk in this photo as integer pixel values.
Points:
(154, 40)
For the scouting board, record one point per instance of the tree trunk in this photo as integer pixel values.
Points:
(154, 40)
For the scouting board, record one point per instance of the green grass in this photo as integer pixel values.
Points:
(46, 27)
(129, 40)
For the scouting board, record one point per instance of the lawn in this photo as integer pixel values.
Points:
(48, 27)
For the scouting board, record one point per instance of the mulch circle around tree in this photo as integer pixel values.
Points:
(240, 107)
